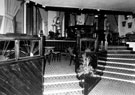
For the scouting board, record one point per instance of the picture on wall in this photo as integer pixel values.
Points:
(129, 24)
(123, 23)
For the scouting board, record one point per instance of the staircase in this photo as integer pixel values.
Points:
(118, 63)
(64, 84)
(60, 79)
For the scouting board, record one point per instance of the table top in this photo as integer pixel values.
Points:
(49, 47)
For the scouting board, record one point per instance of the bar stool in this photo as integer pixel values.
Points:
(57, 55)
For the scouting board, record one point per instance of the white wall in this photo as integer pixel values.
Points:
(123, 30)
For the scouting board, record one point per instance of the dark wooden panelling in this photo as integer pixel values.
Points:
(60, 45)
(21, 78)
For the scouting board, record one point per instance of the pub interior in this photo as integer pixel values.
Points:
(67, 47)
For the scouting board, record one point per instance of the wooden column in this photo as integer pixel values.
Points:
(41, 52)
(17, 51)
(106, 41)
(101, 36)
(41, 44)
(77, 50)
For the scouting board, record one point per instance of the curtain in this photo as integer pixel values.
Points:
(38, 21)
(89, 19)
(11, 9)
(44, 16)
(113, 23)
(72, 20)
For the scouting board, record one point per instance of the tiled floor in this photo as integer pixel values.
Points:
(104, 86)
(110, 87)
(59, 67)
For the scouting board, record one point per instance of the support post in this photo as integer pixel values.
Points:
(17, 51)
(106, 42)
(41, 52)
(77, 50)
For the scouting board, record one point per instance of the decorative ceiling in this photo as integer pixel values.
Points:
(116, 5)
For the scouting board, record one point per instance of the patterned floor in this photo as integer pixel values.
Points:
(111, 87)
(59, 67)
(103, 87)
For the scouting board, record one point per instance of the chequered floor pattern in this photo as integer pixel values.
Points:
(103, 87)
(60, 79)
(111, 87)
(59, 67)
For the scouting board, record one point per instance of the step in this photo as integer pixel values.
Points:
(60, 79)
(120, 55)
(117, 69)
(114, 59)
(119, 51)
(65, 92)
(115, 75)
(117, 64)
(117, 59)
(59, 75)
(118, 47)
(63, 89)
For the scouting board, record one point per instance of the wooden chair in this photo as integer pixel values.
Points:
(57, 56)
(72, 55)
(49, 56)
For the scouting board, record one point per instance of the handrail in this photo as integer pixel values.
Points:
(18, 37)
(60, 45)
(13, 61)
(61, 40)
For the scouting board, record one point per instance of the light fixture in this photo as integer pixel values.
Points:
(98, 9)
(96, 16)
(105, 15)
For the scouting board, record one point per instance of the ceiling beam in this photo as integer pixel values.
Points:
(79, 11)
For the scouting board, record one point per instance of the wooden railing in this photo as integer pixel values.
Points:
(21, 71)
(60, 45)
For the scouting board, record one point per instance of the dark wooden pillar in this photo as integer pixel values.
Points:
(77, 50)
(41, 52)
(100, 32)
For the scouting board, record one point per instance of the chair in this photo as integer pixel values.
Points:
(57, 55)
(72, 55)
(49, 56)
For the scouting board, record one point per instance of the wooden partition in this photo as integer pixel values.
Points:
(87, 43)
(21, 72)
(61, 45)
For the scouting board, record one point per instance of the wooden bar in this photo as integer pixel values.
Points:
(60, 45)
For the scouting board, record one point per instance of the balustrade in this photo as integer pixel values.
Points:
(21, 65)
(60, 45)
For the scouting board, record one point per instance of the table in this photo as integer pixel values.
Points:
(49, 53)
(49, 49)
